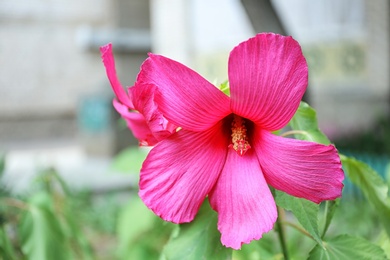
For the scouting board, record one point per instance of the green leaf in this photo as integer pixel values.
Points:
(387, 174)
(199, 239)
(330, 209)
(129, 160)
(347, 247)
(372, 185)
(81, 249)
(384, 242)
(2, 163)
(6, 249)
(50, 180)
(265, 248)
(304, 210)
(40, 232)
(305, 120)
(134, 220)
(225, 88)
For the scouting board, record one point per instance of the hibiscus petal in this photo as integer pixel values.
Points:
(186, 99)
(137, 124)
(180, 171)
(300, 168)
(145, 104)
(268, 77)
(109, 63)
(245, 206)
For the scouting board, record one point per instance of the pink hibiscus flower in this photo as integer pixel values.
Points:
(225, 148)
(141, 113)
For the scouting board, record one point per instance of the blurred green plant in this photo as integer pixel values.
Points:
(42, 224)
(52, 221)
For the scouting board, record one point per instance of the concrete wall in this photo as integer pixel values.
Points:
(50, 63)
(346, 44)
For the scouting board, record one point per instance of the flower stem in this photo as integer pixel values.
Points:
(281, 234)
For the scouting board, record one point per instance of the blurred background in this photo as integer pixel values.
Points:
(55, 99)
(54, 94)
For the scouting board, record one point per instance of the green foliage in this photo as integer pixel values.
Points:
(372, 185)
(305, 120)
(384, 242)
(369, 182)
(78, 244)
(54, 222)
(40, 231)
(225, 88)
(141, 234)
(348, 248)
(198, 239)
(304, 210)
(263, 249)
(387, 174)
(330, 208)
(45, 223)
(2, 163)
(6, 249)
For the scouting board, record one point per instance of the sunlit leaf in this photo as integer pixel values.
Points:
(347, 248)
(199, 239)
(304, 210)
(372, 185)
(384, 243)
(225, 88)
(40, 232)
(305, 120)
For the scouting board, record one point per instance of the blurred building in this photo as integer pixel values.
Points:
(55, 99)
(53, 84)
(53, 87)
(346, 44)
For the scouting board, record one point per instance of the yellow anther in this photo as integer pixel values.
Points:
(239, 136)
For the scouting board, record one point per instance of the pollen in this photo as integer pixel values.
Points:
(239, 136)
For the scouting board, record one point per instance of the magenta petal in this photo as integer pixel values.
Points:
(137, 124)
(245, 206)
(180, 171)
(300, 168)
(109, 63)
(145, 104)
(268, 77)
(186, 99)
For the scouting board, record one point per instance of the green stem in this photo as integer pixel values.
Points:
(325, 219)
(281, 234)
(304, 232)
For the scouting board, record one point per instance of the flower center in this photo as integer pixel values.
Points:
(239, 136)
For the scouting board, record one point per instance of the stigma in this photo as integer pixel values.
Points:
(239, 136)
